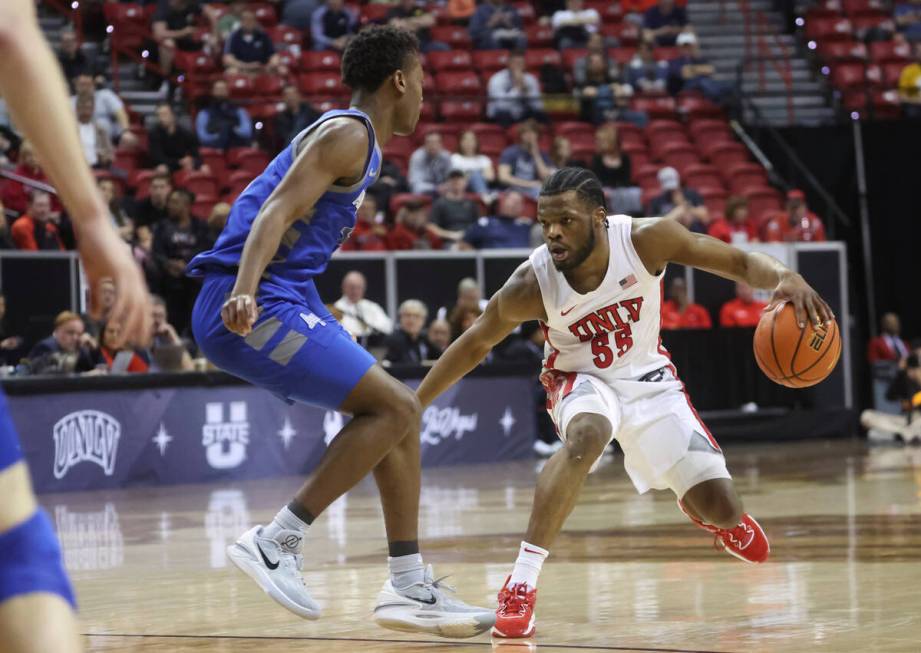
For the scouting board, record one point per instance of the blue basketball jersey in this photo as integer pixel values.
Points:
(307, 246)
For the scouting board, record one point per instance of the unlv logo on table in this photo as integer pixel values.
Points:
(225, 441)
(86, 435)
(439, 424)
(598, 326)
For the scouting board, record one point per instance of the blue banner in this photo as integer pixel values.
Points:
(106, 439)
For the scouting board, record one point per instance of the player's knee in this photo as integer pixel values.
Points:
(404, 408)
(586, 439)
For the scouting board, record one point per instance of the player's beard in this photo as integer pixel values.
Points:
(578, 256)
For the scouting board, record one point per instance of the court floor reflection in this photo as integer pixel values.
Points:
(629, 573)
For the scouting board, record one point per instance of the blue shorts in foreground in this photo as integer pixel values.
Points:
(30, 561)
(10, 451)
(297, 351)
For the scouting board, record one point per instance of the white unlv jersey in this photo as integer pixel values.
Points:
(611, 332)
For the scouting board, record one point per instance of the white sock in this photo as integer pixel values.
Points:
(285, 520)
(527, 566)
(406, 570)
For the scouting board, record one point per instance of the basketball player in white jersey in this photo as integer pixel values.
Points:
(595, 286)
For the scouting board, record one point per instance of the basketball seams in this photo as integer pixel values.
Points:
(834, 340)
(774, 344)
(802, 332)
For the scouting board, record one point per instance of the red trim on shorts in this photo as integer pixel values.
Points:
(551, 359)
(570, 381)
(684, 390)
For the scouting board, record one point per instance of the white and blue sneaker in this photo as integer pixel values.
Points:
(426, 607)
(276, 567)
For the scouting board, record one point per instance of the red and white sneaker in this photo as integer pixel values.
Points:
(747, 541)
(515, 614)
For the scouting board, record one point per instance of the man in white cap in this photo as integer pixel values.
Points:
(682, 204)
(692, 72)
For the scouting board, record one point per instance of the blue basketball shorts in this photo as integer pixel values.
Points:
(30, 556)
(296, 350)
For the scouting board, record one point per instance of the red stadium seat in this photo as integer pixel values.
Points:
(654, 107)
(319, 61)
(399, 145)
(891, 73)
(744, 175)
(705, 130)
(572, 55)
(287, 36)
(886, 105)
(539, 36)
(450, 60)
(858, 7)
(490, 60)
(374, 12)
(268, 85)
(866, 22)
(458, 83)
(627, 34)
(526, 11)
(288, 59)
(646, 175)
(461, 110)
(846, 76)
(658, 128)
(701, 175)
(196, 63)
(240, 85)
(714, 199)
(723, 154)
(622, 55)
(535, 58)
(321, 83)
(874, 76)
(238, 180)
(679, 155)
(630, 134)
(837, 51)
(130, 24)
(829, 29)
(886, 51)
(265, 13)
(247, 158)
(695, 106)
(663, 53)
(203, 206)
(760, 201)
(610, 12)
(398, 200)
(458, 37)
(422, 129)
(198, 183)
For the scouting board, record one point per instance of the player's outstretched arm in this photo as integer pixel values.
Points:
(33, 87)
(518, 301)
(659, 241)
(337, 150)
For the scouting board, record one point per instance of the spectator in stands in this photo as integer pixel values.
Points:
(117, 213)
(108, 110)
(646, 74)
(15, 195)
(603, 96)
(497, 25)
(361, 317)
(888, 345)
(142, 250)
(108, 295)
(429, 165)
(678, 312)
(167, 350)
(477, 167)
(412, 229)
(460, 12)
(119, 360)
(299, 13)
(573, 25)
(663, 23)
(223, 124)
(171, 146)
(677, 203)
(524, 166)
(508, 228)
(10, 345)
(369, 234)
(68, 349)
(613, 168)
(175, 24)
(910, 82)
(97, 148)
(332, 25)
(798, 224)
(37, 229)
(907, 16)
(439, 337)
(406, 14)
(734, 227)
(469, 296)
(905, 389)
(453, 212)
(692, 72)
(249, 49)
(743, 311)
(463, 320)
(216, 221)
(514, 93)
(561, 154)
(71, 58)
(294, 117)
(176, 241)
(6, 238)
(227, 22)
(8, 143)
(408, 345)
(389, 181)
(152, 209)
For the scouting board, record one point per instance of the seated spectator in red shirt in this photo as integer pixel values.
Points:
(36, 229)
(110, 358)
(734, 227)
(412, 229)
(679, 313)
(798, 224)
(888, 345)
(743, 311)
(15, 195)
(369, 235)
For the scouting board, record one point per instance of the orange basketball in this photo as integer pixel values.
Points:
(794, 357)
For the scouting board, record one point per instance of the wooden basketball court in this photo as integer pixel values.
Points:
(630, 573)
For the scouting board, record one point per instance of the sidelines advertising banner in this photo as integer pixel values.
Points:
(105, 439)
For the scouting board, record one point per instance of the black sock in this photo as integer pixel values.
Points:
(301, 512)
(404, 548)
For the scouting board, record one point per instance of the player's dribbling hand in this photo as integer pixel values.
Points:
(807, 304)
(240, 313)
(105, 255)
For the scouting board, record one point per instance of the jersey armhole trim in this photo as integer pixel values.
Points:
(635, 257)
(372, 146)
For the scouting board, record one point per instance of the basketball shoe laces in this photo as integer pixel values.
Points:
(740, 537)
(515, 600)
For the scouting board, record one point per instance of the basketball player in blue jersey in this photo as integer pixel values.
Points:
(36, 599)
(259, 317)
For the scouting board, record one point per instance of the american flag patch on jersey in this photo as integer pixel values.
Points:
(627, 281)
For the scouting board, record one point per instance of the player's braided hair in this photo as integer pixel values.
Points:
(374, 54)
(583, 181)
